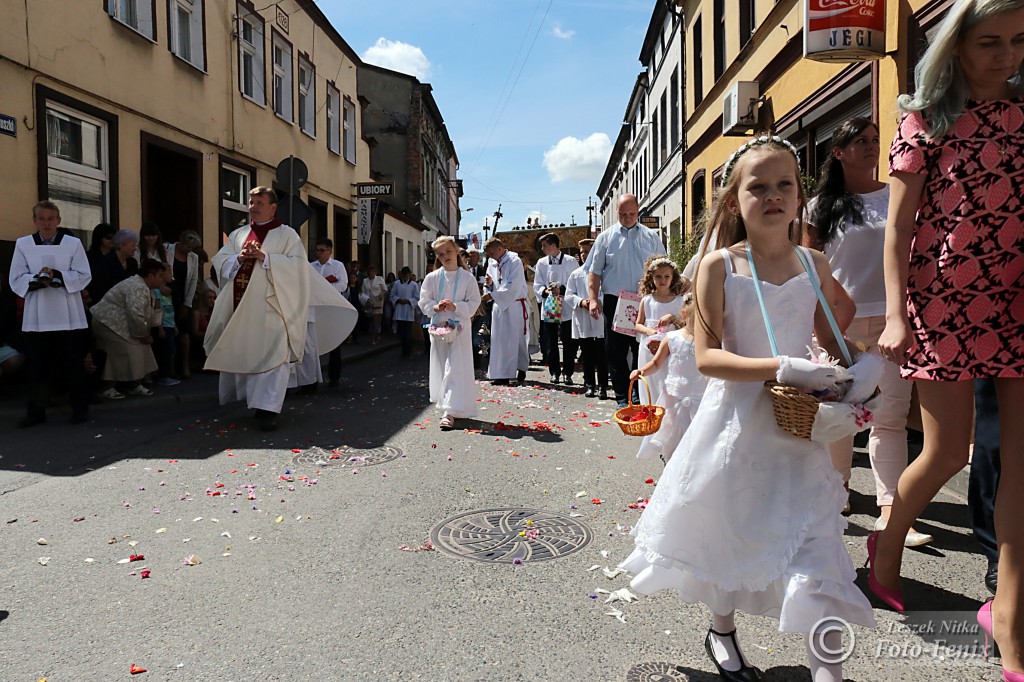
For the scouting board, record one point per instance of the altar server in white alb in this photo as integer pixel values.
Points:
(553, 272)
(258, 327)
(510, 322)
(49, 270)
(587, 331)
(449, 297)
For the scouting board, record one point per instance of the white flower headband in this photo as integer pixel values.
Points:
(659, 262)
(757, 142)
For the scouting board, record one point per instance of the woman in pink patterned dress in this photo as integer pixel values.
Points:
(954, 265)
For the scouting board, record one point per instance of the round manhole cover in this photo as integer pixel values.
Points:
(656, 672)
(504, 536)
(346, 457)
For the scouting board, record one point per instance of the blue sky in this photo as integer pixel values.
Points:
(568, 102)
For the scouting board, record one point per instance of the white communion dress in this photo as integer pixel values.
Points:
(653, 311)
(452, 386)
(684, 387)
(747, 517)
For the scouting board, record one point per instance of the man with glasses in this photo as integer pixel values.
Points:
(615, 265)
(334, 272)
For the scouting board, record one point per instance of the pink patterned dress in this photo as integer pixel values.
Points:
(966, 279)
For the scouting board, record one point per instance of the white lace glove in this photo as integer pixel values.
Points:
(805, 375)
(866, 373)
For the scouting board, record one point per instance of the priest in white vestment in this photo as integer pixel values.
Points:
(510, 322)
(259, 323)
(49, 270)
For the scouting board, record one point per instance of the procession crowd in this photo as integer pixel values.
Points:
(886, 287)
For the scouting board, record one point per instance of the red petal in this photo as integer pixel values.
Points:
(649, 480)
(135, 670)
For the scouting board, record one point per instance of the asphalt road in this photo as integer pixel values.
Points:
(303, 575)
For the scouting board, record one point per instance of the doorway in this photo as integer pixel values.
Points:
(343, 236)
(172, 187)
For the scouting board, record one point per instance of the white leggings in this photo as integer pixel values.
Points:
(887, 441)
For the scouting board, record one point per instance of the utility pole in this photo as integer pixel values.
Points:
(591, 207)
(497, 216)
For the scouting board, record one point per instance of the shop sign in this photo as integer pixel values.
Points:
(8, 125)
(365, 225)
(844, 30)
(375, 189)
(651, 221)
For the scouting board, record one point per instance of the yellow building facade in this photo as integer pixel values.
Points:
(731, 44)
(127, 111)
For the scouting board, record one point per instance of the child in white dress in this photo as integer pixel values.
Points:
(450, 293)
(684, 387)
(663, 287)
(746, 516)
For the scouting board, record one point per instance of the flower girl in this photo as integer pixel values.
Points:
(449, 297)
(747, 516)
(684, 386)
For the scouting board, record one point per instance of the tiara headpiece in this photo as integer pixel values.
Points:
(659, 262)
(758, 142)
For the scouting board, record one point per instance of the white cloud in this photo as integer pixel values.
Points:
(561, 33)
(575, 159)
(399, 56)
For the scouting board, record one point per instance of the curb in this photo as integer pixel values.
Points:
(164, 399)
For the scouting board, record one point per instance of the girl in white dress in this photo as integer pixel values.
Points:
(684, 387)
(746, 516)
(663, 287)
(450, 293)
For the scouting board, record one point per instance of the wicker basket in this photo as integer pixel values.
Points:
(644, 427)
(794, 410)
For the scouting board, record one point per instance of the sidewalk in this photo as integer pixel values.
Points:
(202, 386)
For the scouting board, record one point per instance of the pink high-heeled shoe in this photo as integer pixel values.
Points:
(985, 622)
(892, 598)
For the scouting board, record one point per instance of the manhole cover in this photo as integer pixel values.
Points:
(504, 535)
(656, 672)
(346, 457)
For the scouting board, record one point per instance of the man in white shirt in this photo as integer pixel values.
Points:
(405, 296)
(506, 286)
(49, 270)
(334, 272)
(552, 274)
(615, 265)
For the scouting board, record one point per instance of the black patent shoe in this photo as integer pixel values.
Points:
(745, 674)
(992, 576)
(266, 420)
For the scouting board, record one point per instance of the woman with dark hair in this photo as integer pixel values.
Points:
(102, 240)
(151, 243)
(846, 220)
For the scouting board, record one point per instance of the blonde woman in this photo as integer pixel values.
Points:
(954, 260)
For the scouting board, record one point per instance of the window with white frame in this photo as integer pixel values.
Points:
(250, 56)
(307, 97)
(333, 109)
(283, 76)
(77, 170)
(350, 130)
(235, 183)
(186, 31)
(135, 14)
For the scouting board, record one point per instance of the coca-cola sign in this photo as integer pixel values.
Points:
(844, 30)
